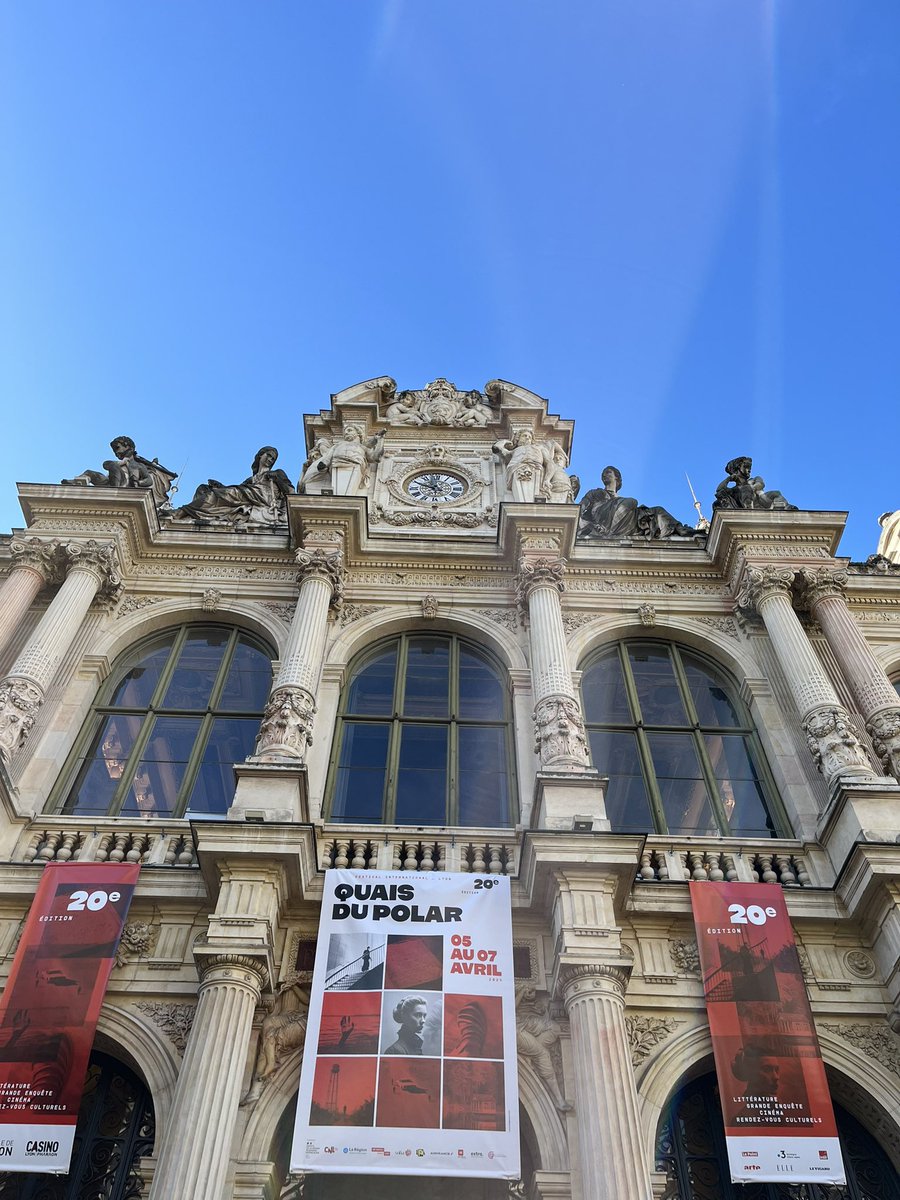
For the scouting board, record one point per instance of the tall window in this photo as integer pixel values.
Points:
(174, 717)
(424, 737)
(678, 746)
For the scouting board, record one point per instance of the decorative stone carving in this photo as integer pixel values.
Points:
(129, 470)
(685, 955)
(356, 612)
(738, 490)
(434, 519)
(538, 572)
(876, 564)
(256, 504)
(132, 604)
(859, 963)
(876, 1041)
(762, 582)
(102, 560)
(323, 564)
(646, 1032)
(559, 487)
(282, 610)
(537, 1038)
(174, 1020)
(283, 1030)
(440, 403)
(507, 617)
(832, 742)
(559, 732)
(429, 607)
(884, 730)
(647, 614)
(343, 460)
(287, 724)
(606, 516)
(529, 467)
(578, 979)
(210, 599)
(573, 621)
(820, 582)
(137, 940)
(46, 557)
(726, 625)
(20, 700)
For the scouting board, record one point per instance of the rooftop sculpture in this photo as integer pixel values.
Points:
(606, 516)
(739, 490)
(440, 403)
(129, 470)
(257, 503)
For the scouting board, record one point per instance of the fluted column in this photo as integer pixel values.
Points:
(874, 693)
(35, 563)
(92, 568)
(286, 728)
(196, 1148)
(613, 1166)
(829, 734)
(559, 725)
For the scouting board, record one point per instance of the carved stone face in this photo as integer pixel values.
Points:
(122, 447)
(267, 459)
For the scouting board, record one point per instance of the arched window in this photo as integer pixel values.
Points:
(424, 737)
(691, 1152)
(170, 722)
(677, 744)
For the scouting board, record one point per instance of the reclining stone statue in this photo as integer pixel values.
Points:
(257, 503)
(605, 515)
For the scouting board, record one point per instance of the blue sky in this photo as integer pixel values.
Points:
(676, 219)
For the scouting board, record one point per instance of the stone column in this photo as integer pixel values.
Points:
(92, 569)
(286, 729)
(559, 725)
(196, 1148)
(829, 734)
(606, 1105)
(35, 563)
(878, 703)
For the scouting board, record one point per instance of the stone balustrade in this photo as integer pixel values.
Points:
(683, 860)
(479, 853)
(62, 839)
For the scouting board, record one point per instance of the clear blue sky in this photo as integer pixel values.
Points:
(677, 219)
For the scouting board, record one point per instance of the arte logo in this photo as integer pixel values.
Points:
(752, 1167)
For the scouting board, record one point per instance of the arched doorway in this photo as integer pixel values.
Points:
(691, 1151)
(115, 1129)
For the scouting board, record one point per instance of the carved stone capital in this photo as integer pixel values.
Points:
(534, 573)
(883, 727)
(40, 555)
(232, 968)
(287, 723)
(833, 744)
(559, 736)
(323, 564)
(580, 980)
(20, 699)
(100, 559)
(762, 583)
(820, 583)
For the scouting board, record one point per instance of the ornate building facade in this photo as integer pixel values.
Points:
(428, 655)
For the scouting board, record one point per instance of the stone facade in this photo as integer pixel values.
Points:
(445, 512)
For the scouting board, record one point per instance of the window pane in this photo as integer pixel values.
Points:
(137, 686)
(230, 741)
(359, 780)
(195, 674)
(739, 785)
(710, 698)
(422, 775)
(657, 687)
(627, 802)
(104, 765)
(603, 688)
(371, 691)
(249, 679)
(685, 801)
(158, 778)
(427, 677)
(480, 691)
(483, 782)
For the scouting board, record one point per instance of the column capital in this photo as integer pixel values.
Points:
(287, 724)
(578, 980)
(538, 572)
(243, 969)
(820, 583)
(42, 555)
(834, 746)
(100, 559)
(761, 583)
(20, 699)
(317, 562)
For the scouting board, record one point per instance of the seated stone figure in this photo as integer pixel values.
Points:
(605, 515)
(129, 470)
(258, 502)
(739, 490)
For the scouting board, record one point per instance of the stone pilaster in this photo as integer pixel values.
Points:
(874, 694)
(559, 726)
(92, 572)
(606, 1105)
(196, 1150)
(35, 563)
(829, 734)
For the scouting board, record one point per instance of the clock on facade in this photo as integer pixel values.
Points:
(435, 487)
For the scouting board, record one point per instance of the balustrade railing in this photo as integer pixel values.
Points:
(442, 852)
(665, 860)
(57, 842)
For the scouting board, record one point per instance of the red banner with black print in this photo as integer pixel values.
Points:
(50, 1007)
(779, 1122)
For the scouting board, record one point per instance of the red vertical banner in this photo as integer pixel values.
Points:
(779, 1123)
(50, 1007)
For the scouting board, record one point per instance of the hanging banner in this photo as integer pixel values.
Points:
(50, 1006)
(410, 1059)
(779, 1123)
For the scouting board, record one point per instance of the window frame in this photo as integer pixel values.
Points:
(698, 731)
(396, 719)
(103, 708)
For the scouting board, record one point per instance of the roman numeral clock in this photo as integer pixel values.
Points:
(439, 487)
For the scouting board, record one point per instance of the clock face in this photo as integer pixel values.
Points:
(435, 487)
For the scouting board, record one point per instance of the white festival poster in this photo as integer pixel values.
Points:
(410, 1059)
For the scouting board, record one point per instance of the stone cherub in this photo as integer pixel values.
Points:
(536, 1035)
(257, 502)
(739, 490)
(129, 470)
(283, 1030)
(606, 515)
